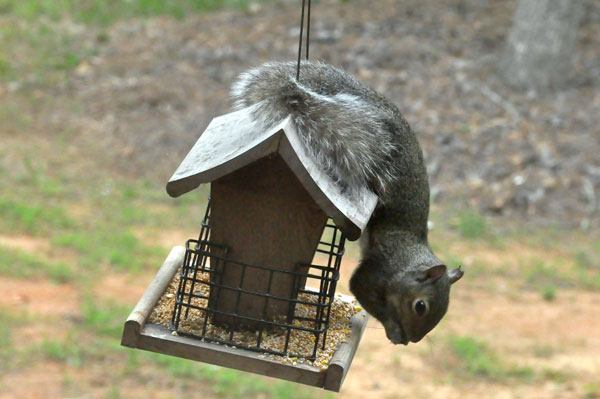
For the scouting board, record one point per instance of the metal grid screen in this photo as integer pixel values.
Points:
(307, 320)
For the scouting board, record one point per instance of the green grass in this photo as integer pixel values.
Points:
(6, 348)
(105, 12)
(113, 393)
(19, 217)
(14, 120)
(62, 351)
(548, 293)
(587, 268)
(558, 376)
(119, 249)
(11, 319)
(100, 233)
(231, 384)
(471, 225)
(583, 260)
(104, 318)
(477, 359)
(591, 390)
(544, 351)
(39, 52)
(41, 43)
(539, 273)
(17, 263)
(78, 348)
(6, 69)
(546, 277)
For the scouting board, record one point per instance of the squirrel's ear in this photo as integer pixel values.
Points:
(455, 274)
(433, 273)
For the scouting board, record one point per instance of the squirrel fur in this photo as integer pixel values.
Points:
(361, 138)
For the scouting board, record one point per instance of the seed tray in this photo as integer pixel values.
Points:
(141, 334)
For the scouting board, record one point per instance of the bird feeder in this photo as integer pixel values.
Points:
(254, 264)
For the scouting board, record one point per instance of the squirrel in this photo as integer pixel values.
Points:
(361, 138)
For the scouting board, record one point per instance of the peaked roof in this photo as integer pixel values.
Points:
(233, 141)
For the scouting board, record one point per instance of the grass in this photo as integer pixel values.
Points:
(42, 41)
(231, 384)
(78, 348)
(39, 52)
(108, 245)
(10, 321)
(587, 268)
(476, 359)
(113, 393)
(548, 293)
(100, 232)
(99, 238)
(543, 351)
(13, 120)
(105, 12)
(62, 351)
(106, 238)
(104, 318)
(17, 263)
(546, 277)
(6, 348)
(539, 273)
(591, 390)
(34, 219)
(583, 261)
(558, 376)
(471, 225)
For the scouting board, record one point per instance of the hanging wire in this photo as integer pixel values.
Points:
(302, 34)
(308, 30)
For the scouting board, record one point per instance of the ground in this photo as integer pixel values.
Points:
(501, 337)
(99, 101)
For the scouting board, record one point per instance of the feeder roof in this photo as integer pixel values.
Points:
(235, 140)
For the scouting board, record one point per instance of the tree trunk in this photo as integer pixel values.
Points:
(541, 44)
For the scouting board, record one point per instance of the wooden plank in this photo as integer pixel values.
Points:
(229, 142)
(158, 339)
(142, 310)
(342, 358)
(265, 217)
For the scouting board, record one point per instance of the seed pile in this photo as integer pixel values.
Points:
(300, 342)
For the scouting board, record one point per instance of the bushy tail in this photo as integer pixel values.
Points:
(347, 127)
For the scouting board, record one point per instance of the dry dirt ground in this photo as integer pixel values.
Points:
(558, 340)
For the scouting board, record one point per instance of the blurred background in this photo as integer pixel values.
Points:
(101, 99)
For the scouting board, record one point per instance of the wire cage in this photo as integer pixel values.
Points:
(298, 333)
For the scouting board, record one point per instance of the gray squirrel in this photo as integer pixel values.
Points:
(360, 138)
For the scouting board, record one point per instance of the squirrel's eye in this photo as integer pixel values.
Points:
(420, 307)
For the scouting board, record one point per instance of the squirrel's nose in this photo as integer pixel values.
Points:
(396, 334)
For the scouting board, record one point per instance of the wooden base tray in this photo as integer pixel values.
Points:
(156, 338)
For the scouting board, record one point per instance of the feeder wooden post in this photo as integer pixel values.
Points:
(265, 217)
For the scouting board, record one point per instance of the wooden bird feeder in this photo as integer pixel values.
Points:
(270, 203)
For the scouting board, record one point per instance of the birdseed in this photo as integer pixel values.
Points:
(301, 342)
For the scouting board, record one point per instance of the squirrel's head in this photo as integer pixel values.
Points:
(409, 303)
